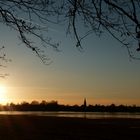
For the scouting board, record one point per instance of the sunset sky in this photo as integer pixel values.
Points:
(102, 73)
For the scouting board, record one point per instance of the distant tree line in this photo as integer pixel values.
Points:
(54, 106)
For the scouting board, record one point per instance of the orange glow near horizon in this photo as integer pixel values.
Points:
(19, 94)
(3, 97)
(28, 94)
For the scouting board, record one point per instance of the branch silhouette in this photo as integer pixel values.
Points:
(30, 20)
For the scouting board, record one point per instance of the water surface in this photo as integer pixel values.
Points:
(91, 115)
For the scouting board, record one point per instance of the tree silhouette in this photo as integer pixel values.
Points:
(119, 18)
(3, 59)
(30, 18)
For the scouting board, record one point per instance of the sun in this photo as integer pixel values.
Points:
(2, 94)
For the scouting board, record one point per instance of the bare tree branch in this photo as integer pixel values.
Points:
(30, 18)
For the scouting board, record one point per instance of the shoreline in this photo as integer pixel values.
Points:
(29, 127)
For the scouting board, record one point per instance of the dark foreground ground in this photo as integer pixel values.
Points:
(23, 127)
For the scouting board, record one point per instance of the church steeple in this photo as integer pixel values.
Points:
(85, 104)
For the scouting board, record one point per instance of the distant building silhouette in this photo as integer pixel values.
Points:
(85, 104)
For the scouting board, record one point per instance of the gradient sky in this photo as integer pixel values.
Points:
(102, 73)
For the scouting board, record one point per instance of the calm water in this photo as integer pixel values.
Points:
(91, 115)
